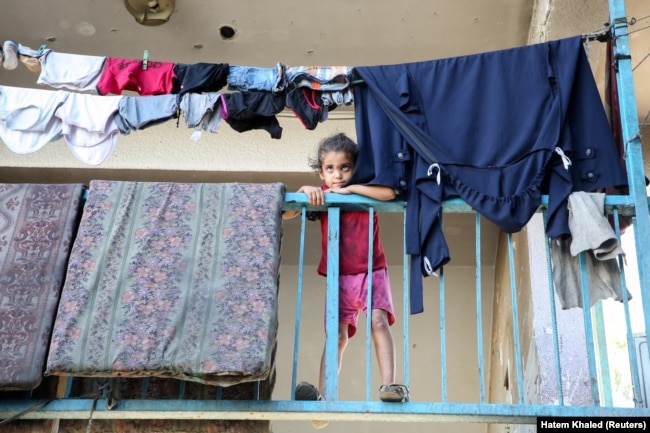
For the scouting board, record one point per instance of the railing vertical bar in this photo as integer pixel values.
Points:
(68, 387)
(443, 331)
(143, 389)
(634, 366)
(603, 361)
(515, 321)
(296, 334)
(256, 390)
(332, 308)
(479, 309)
(405, 306)
(181, 390)
(589, 331)
(556, 341)
(219, 393)
(371, 228)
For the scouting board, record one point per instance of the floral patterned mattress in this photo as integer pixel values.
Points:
(172, 280)
(37, 223)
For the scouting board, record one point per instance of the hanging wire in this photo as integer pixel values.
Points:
(642, 60)
(638, 30)
(645, 120)
(632, 22)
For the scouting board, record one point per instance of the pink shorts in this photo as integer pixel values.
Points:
(353, 297)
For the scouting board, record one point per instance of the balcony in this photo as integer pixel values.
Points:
(493, 345)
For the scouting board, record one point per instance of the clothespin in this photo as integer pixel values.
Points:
(145, 60)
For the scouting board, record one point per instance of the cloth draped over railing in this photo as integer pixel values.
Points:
(163, 279)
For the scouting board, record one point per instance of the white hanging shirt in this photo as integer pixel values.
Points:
(27, 120)
(89, 126)
(71, 71)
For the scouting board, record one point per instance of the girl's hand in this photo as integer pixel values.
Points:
(314, 194)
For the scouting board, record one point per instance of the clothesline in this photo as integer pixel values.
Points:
(166, 90)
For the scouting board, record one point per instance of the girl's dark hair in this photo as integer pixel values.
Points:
(336, 143)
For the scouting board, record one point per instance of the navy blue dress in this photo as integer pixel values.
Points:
(499, 129)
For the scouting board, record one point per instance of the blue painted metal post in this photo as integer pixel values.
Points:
(633, 153)
(589, 330)
(301, 265)
(443, 330)
(479, 309)
(634, 366)
(405, 305)
(331, 391)
(556, 341)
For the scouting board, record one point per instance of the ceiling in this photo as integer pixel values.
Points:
(298, 33)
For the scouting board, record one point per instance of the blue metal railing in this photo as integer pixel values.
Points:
(483, 409)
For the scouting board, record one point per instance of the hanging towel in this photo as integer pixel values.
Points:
(590, 234)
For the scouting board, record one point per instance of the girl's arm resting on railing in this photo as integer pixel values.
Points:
(316, 195)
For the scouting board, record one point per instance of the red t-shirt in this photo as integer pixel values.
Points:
(127, 74)
(353, 244)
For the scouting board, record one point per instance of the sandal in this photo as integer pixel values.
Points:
(307, 391)
(394, 393)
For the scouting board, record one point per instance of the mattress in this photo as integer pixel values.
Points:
(37, 223)
(172, 280)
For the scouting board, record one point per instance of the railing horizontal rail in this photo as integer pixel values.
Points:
(295, 201)
(293, 410)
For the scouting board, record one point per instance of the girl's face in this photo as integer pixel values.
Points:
(336, 169)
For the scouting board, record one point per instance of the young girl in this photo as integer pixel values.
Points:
(334, 164)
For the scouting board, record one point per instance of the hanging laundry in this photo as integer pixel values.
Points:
(591, 234)
(140, 112)
(320, 77)
(202, 112)
(337, 98)
(11, 52)
(307, 105)
(27, 118)
(245, 111)
(248, 78)
(89, 126)
(128, 74)
(498, 129)
(9, 55)
(71, 71)
(200, 77)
